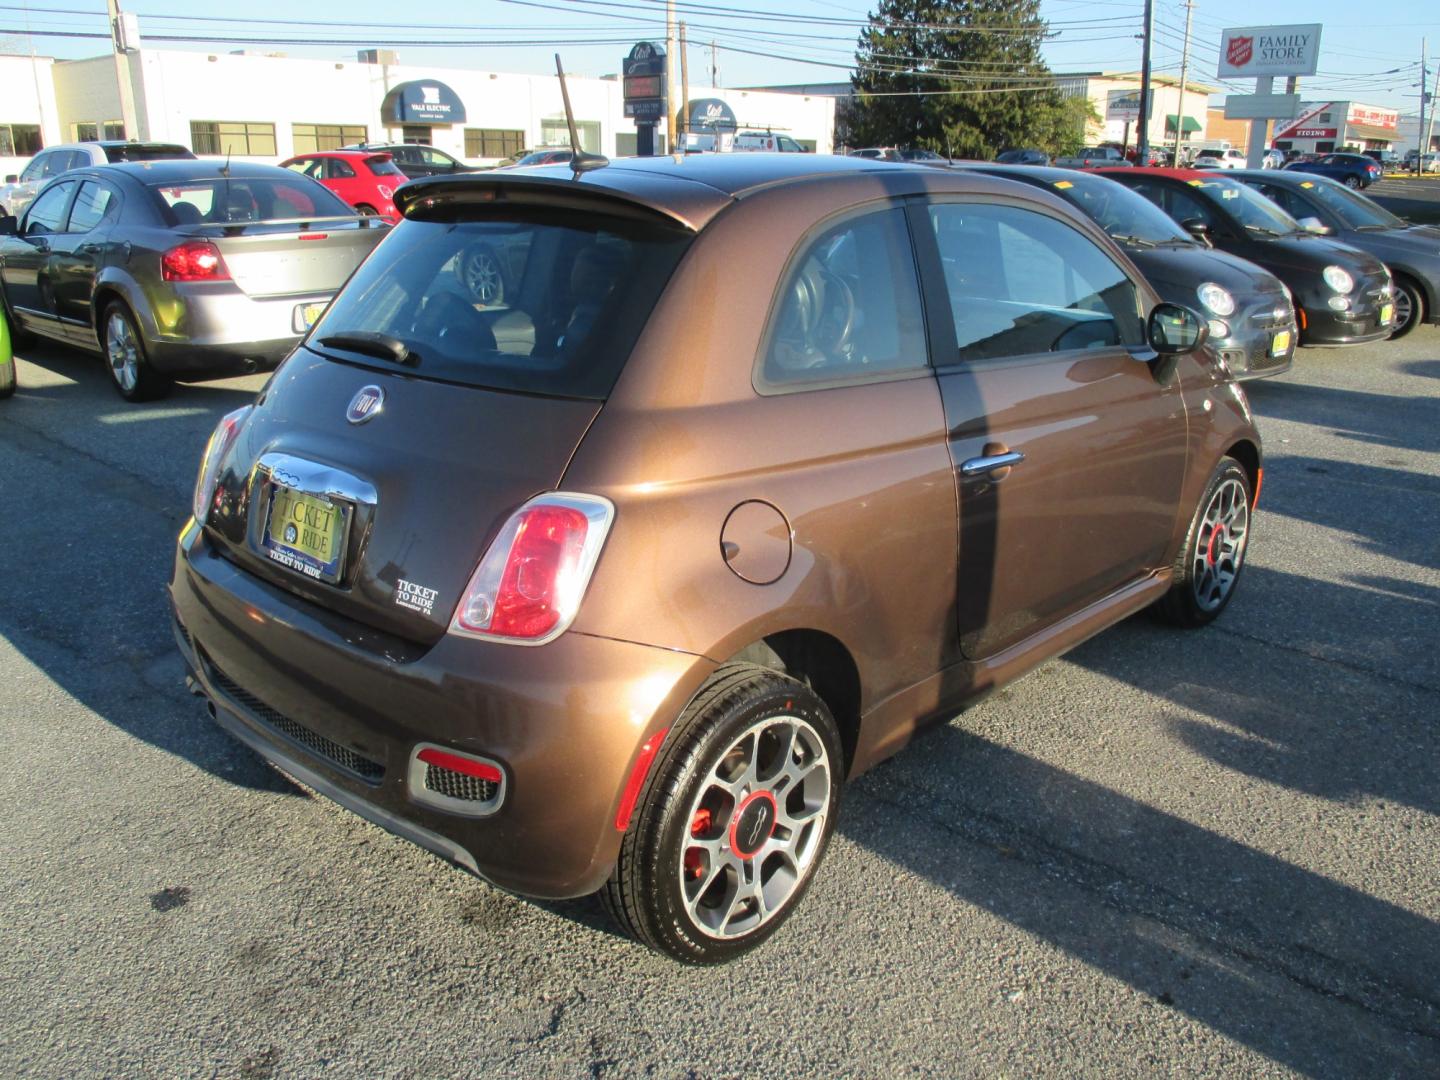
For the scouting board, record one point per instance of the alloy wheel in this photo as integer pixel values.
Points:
(1220, 544)
(1403, 310)
(482, 278)
(756, 826)
(122, 351)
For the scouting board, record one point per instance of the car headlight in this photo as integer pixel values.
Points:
(1338, 278)
(1217, 298)
(1219, 328)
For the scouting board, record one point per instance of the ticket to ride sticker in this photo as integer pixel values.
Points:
(306, 533)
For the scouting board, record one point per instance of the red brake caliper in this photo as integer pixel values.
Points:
(694, 857)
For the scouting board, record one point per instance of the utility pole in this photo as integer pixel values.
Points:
(1142, 136)
(1184, 69)
(714, 66)
(1427, 126)
(670, 76)
(684, 85)
(122, 73)
(1422, 130)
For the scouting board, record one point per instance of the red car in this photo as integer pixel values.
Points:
(364, 179)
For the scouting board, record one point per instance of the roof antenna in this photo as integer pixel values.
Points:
(580, 161)
(225, 169)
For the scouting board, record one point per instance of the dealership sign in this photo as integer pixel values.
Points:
(1261, 52)
(422, 102)
(1124, 105)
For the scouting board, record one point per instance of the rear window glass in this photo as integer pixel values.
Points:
(383, 166)
(247, 199)
(141, 152)
(548, 303)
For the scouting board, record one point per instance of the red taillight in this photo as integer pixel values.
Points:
(194, 260)
(481, 770)
(313, 236)
(528, 586)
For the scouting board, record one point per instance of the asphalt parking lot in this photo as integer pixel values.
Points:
(1211, 853)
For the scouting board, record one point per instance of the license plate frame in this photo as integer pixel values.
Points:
(294, 556)
(1280, 343)
(1387, 314)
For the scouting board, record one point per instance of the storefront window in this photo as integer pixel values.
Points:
(231, 137)
(554, 132)
(492, 143)
(20, 140)
(310, 138)
(114, 129)
(87, 132)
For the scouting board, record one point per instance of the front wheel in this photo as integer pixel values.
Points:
(1409, 307)
(734, 820)
(1209, 564)
(366, 210)
(1352, 182)
(130, 371)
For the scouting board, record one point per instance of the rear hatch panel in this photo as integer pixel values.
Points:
(428, 480)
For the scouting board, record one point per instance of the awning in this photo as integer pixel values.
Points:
(1191, 124)
(424, 101)
(1370, 131)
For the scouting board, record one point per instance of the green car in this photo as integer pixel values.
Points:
(7, 359)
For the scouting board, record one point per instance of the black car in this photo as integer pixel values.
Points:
(416, 159)
(1252, 323)
(1342, 295)
(1410, 252)
(1022, 157)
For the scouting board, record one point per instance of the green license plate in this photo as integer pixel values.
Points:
(1280, 343)
(306, 315)
(1387, 311)
(306, 532)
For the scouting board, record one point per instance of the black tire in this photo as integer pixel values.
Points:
(1201, 588)
(8, 381)
(133, 377)
(1408, 294)
(1353, 182)
(19, 339)
(645, 894)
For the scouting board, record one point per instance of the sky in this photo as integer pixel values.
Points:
(758, 42)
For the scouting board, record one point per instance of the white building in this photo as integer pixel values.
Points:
(1170, 108)
(1323, 126)
(268, 107)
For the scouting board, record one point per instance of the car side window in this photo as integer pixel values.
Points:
(849, 306)
(48, 211)
(94, 204)
(434, 157)
(36, 168)
(1288, 201)
(1021, 282)
(313, 167)
(338, 170)
(1178, 203)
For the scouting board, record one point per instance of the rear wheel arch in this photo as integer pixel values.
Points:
(823, 663)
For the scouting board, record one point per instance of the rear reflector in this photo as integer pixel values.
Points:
(638, 772)
(481, 770)
(314, 236)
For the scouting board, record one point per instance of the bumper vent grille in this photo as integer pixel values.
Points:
(456, 785)
(316, 743)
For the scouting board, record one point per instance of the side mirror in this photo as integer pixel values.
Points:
(9, 226)
(12, 178)
(1315, 225)
(1198, 229)
(1174, 330)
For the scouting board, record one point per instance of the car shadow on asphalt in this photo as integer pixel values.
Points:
(1429, 369)
(1317, 975)
(1409, 423)
(84, 599)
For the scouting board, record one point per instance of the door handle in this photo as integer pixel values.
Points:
(990, 463)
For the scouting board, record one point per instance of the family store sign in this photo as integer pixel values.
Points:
(1261, 52)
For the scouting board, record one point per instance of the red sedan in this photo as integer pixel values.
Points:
(364, 179)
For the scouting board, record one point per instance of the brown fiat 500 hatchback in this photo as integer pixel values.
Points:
(763, 461)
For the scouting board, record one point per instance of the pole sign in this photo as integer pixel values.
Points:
(643, 75)
(1124, 105)
(1262, 52)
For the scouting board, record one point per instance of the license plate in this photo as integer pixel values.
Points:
(306, 315)
(1280, 343)
(306, 532)
(1387, 311)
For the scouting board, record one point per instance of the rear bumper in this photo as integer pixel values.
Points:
(215, 329)
(564, 720)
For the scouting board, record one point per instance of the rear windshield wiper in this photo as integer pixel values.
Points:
(380, 346)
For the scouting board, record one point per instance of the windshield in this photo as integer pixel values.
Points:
(539, 301)
(1353, 209)
(1118, 210)
(245, 199)
(1246, 205)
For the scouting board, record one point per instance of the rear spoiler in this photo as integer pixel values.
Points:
(237, 228)
(656, 198)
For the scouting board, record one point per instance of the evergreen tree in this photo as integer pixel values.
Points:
(988, 50)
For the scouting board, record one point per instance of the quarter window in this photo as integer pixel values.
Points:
(850, 306)
(311, 138)
(240, 138)
(1021, 283)
(493, 143)
(339, 170)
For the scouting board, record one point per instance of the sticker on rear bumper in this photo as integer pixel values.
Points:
(415, 597)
